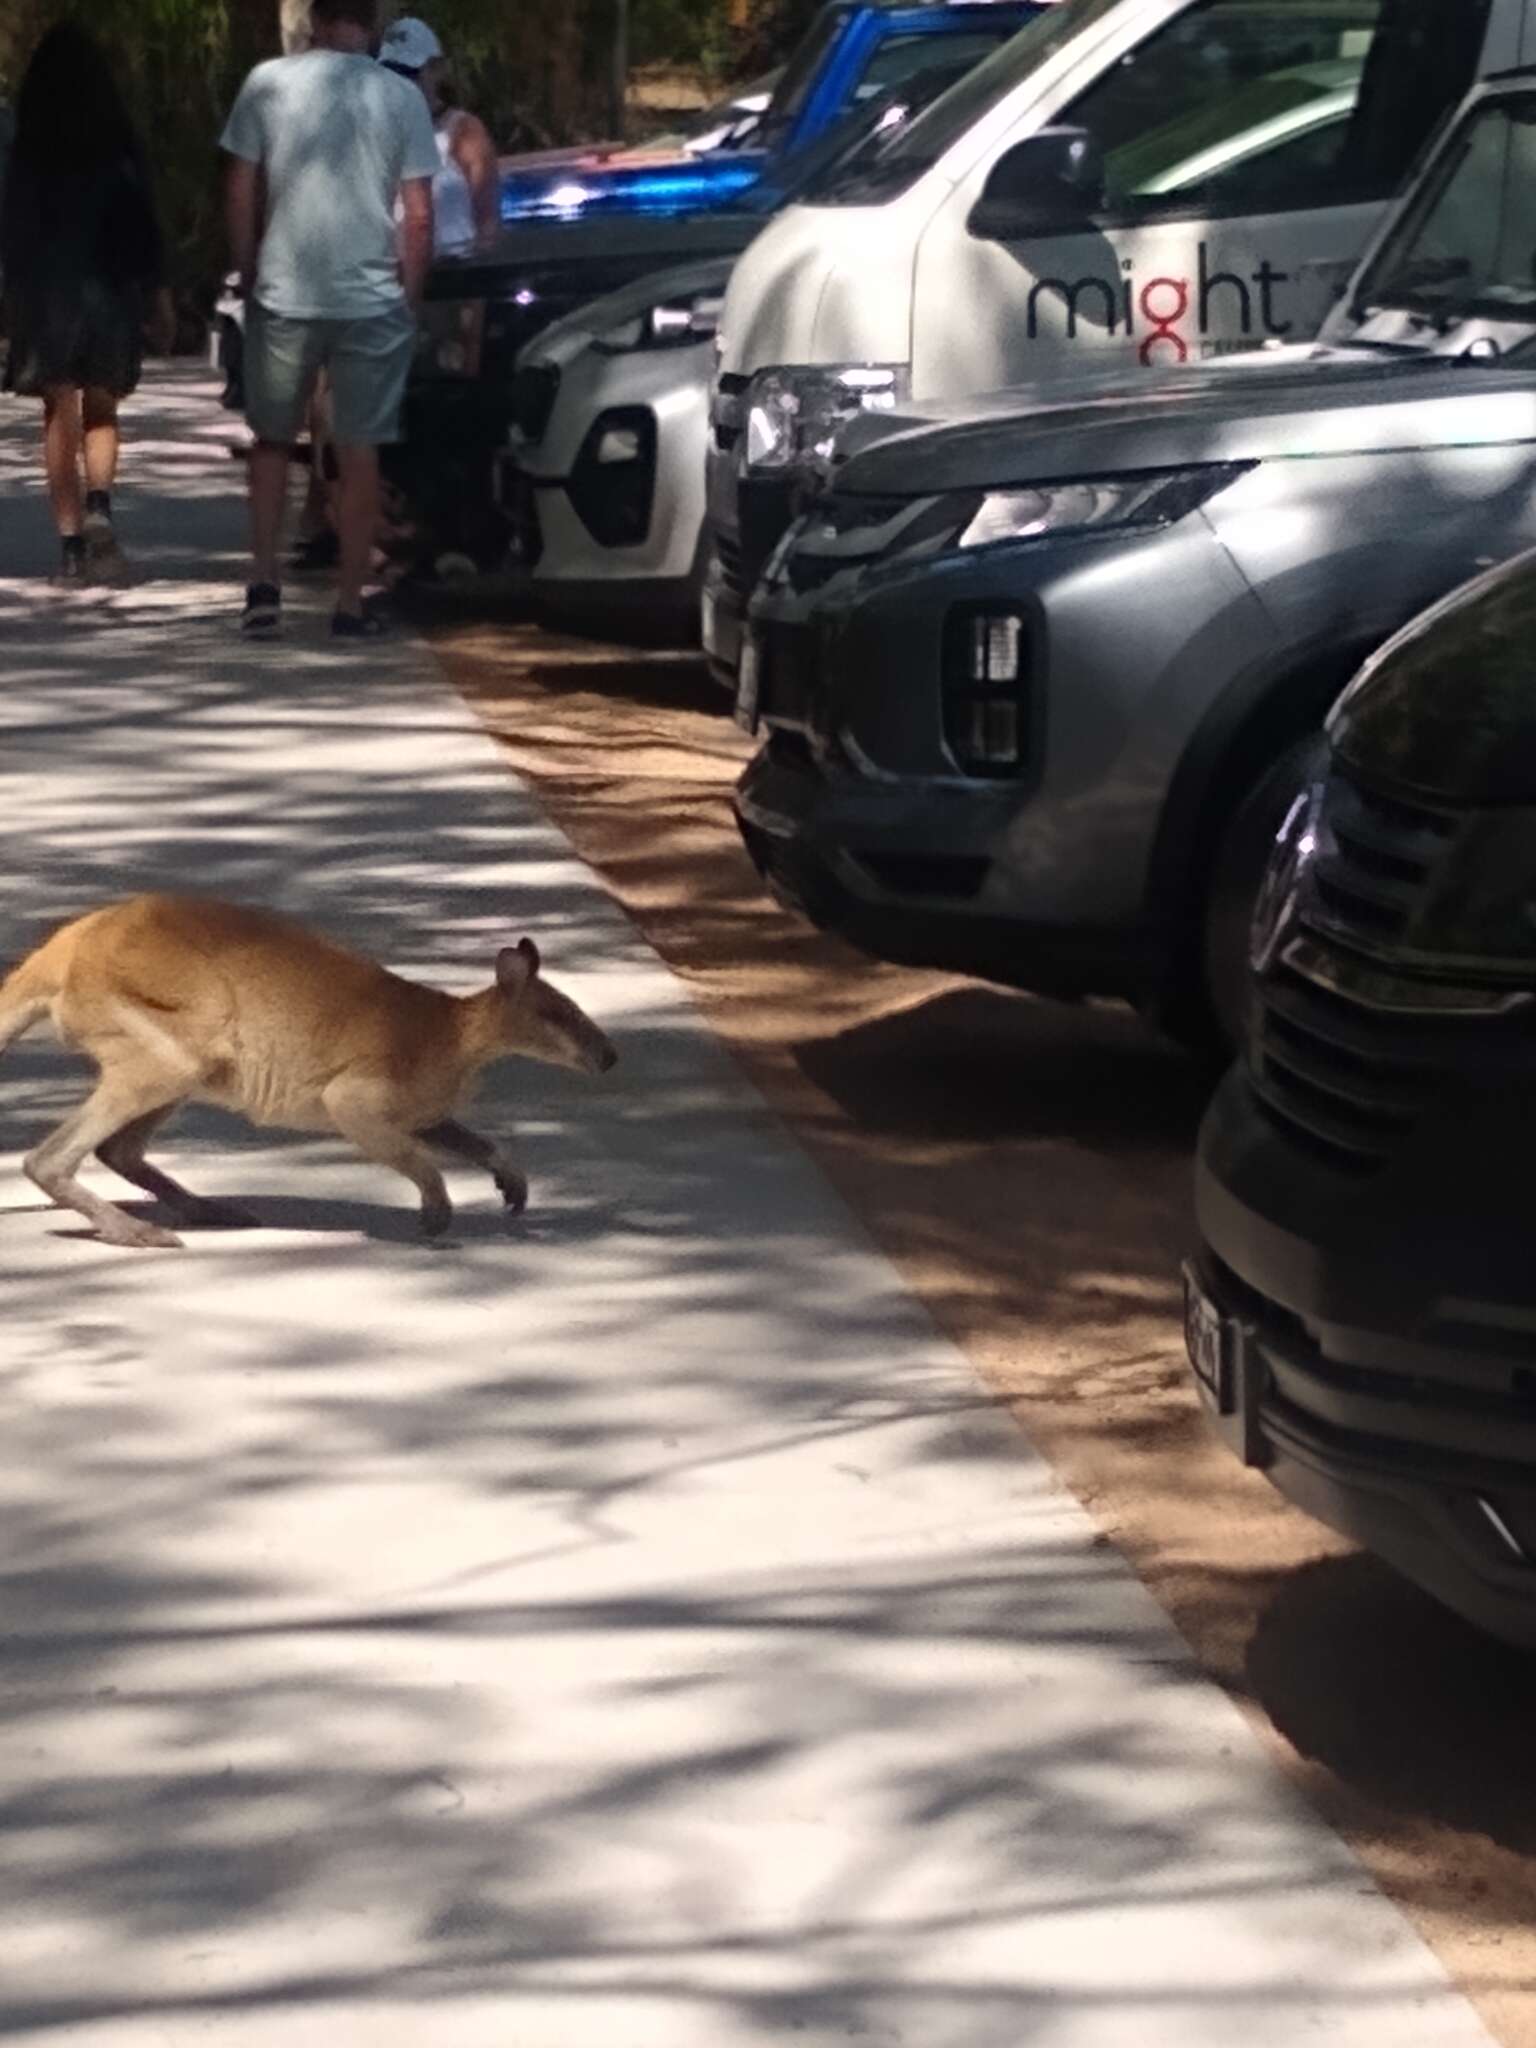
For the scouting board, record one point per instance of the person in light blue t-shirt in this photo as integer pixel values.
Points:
(322, 149)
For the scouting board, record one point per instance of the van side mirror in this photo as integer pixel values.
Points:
(1048, 184)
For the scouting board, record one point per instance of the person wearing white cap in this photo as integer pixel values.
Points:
(465, 193)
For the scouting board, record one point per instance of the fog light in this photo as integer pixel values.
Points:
(995, 648)
(619, 444)
(986, 726)
(613, 480)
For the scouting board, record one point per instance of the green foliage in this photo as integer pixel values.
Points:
(180, 63)
(682, 33)
(535, 71)
(772, 29)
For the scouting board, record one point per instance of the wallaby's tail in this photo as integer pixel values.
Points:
(28, 989)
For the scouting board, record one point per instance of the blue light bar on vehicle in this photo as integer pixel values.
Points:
(674, 189)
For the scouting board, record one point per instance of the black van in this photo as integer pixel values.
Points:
(1361, 1313)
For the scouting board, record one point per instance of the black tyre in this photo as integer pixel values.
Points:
(1232, 886)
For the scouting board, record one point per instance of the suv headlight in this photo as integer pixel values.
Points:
(1093, 505)
(670, 323)
(792, 413)
(843, 531)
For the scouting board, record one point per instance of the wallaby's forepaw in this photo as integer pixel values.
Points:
(133, 1235)
(436, 1218)
(513, 1187)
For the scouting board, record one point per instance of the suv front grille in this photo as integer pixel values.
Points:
(1378, 858)
(1339, 1078)
(727, 414)
(732, 570)
(1346, 1054)
(535, 387)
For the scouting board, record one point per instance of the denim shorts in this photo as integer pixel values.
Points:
(367, 362)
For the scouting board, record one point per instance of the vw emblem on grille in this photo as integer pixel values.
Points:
(1274, 914)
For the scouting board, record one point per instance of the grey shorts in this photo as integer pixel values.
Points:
(366, 361)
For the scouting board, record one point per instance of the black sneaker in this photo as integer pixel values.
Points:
(262, 618)
(364, 625)
(71, 569)
(105, 561)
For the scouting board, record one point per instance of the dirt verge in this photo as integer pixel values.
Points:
(1026, 1166)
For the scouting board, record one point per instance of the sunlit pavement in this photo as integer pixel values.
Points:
(632, 1627)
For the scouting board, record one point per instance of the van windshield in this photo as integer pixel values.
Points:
(800, 74)
(918, 148)
(1467, 247)
(858, 138)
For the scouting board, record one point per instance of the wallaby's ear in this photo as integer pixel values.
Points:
(516, 966)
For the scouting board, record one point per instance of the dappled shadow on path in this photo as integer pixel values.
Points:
(1028, 1166)
(625, 1626)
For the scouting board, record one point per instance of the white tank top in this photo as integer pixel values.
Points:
(453, 209)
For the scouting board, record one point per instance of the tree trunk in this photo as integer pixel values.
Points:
(618, 70)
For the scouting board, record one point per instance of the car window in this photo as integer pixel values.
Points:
(957, 111)
(1227, 75)
(858, 137)
(1468, 245)
(802, 71)
(897, 57)
(1256, 180)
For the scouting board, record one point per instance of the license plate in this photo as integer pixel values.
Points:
(1229, 1369)
(749, 682)
(1207, 1340)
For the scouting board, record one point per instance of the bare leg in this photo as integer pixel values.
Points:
(105, 560)
(61, 454)
(124, 1153)
(357, 1113)
(101, 439)
(269, 488)
(357, 519)
(319, 514)
(460, 1142)
(114, 1103)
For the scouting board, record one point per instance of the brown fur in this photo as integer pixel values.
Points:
(184, 998)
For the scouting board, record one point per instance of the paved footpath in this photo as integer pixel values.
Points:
(632, 1628)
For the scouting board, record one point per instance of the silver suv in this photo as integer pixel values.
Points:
(1039, 676)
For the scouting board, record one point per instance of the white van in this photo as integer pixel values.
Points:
(1125, 182)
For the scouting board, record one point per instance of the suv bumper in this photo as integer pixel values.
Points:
(745, 520)
(1365, 1352)
(722, 620)
(898, 873)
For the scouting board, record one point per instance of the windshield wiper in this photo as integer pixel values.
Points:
(1385, 348)
(1407, 288)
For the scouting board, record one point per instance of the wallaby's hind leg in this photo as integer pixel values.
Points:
(460, 1142)
(115, 1102)
(355, 1110)
(124, 1153)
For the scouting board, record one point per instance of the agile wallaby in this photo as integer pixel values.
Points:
(184, 998)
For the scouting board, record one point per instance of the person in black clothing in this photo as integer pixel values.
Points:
(81, 260)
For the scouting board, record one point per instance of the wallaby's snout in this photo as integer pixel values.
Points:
(545, 1025)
